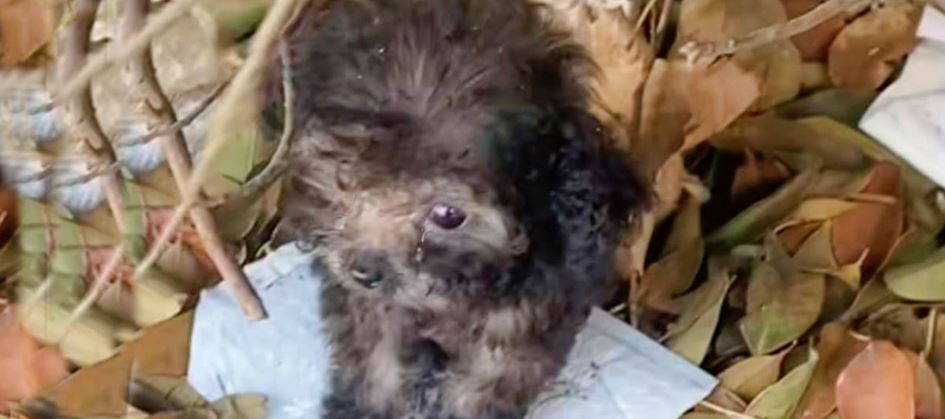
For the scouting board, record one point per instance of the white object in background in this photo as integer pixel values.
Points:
(613, 372)
(908, 117)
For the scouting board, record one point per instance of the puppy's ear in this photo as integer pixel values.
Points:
(621, 186)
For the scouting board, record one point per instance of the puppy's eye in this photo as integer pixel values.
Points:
(447, 217)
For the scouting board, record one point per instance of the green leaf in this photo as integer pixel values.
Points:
(843, 105)
(691, 335)
(780, 308)
(752, 223)
(780, 400)
(922, 281)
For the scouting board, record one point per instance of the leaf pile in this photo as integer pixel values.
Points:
(783, 250)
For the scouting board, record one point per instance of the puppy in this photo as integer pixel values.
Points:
(459, 200)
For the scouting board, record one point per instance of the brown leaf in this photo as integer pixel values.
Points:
(717, 95)
(164, 349)
(836, 348)
(9, 220)
(813, 44)
(877, 383)
(777, 64)
(25, 26)
(872, 227)
(928, 402)
(26, 367)
(757, 173)
(623, 59)
(867, 51)
(96, 390)
(664, 116)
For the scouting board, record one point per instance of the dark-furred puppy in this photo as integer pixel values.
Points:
(458, 197)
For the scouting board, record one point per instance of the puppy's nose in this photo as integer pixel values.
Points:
(369, 267)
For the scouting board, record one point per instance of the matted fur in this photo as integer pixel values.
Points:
(403, 104)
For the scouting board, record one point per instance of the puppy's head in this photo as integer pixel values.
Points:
(439, 158)
(481, 208)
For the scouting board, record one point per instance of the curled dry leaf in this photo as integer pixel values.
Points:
(27, 367)
(871, 227)
(836, 348)
(780, 400)
(777, 65)
(623, 59)
(692, 333)
(680, 261)
(717, 95)
(845, 106)
(751, 376)
(757, 173)
(813, 44)
(878, 383)
(25, 27)
(867, 51)
(752, 223)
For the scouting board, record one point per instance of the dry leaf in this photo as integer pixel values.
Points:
(96, 390)
(877, 383)
(757, 173)
(872, 227)
(164, 349)
(867, 51)
(781, 306)
(691, 335)
(780, 400)
(25, 26)
(717, 95)
(26, 367)
(928, 402)
(777, 64)
(680, 261)
(752, 223)
(836, 348)
(751, 376)
(813, 44)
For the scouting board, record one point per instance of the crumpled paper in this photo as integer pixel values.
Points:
(908, 117)
(613, 372)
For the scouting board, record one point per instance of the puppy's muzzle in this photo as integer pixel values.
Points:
(369, 268)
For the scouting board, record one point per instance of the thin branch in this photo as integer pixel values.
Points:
(278, 163)
(244, 84)
(80, 108)
(99, 286)
(696, 51)
(182, 123)
(142, 76)
(80, 111)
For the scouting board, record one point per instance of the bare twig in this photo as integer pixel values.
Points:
(244, 84)
(182, 123)
(278, 163)
(142, 77)
(696, 51)
(99, 286)
(80, 109)
(132, 46)
(80, 112)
